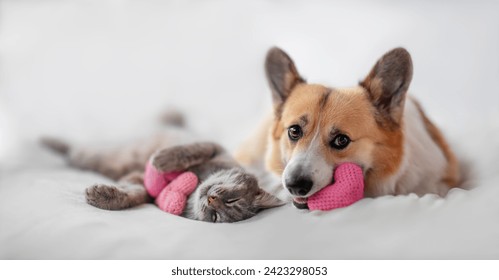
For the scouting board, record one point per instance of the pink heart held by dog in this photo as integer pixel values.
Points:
(347, 189)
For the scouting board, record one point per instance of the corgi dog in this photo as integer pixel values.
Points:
(374, 124)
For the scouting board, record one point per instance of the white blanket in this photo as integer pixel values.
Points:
(102, 71)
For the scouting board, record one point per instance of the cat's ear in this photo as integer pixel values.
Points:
(264, 200)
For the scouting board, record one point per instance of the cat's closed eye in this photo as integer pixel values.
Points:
(232, 200)
(214, 216)
(227, 197)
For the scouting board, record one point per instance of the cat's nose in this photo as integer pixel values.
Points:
(211, 199)
(215, 202)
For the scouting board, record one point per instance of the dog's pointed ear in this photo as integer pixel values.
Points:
(387, 85)
(281, 75)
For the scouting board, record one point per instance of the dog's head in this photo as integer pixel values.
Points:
(317, 127)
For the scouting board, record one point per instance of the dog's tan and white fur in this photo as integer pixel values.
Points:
(374, 124)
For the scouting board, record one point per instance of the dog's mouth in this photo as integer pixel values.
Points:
(300, 202)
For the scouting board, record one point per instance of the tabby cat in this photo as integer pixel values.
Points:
(226, 192)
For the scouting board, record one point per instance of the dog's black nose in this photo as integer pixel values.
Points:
(301, 186)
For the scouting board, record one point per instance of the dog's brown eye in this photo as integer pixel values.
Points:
(340, 142)
(295, 132)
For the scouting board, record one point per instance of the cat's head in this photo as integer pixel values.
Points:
(229, 196)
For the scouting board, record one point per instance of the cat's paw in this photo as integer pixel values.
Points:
(106, 197)
(184, 156)
(167, 160)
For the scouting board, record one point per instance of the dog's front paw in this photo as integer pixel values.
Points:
(106, 197)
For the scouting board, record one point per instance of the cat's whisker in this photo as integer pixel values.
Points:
(203, 207)
(220, 191)
(236, 207)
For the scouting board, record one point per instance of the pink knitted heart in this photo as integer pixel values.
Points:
(173, 198)
(347, 189)
(171, 189)
(184, 184)
(155, 181)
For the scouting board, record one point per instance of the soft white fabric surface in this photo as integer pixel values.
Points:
(101, 71)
